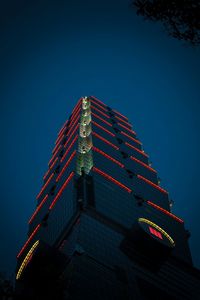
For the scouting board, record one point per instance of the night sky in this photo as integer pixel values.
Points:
(54, 52)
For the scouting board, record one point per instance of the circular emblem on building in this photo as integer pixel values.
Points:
(156, 232)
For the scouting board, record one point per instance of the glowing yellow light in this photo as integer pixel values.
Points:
(143, 220)
(26, 259)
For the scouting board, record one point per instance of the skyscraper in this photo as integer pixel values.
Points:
(103, 226)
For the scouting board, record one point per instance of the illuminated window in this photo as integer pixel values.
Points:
(85, 130)
(86, 112)
(84, 162)
(84, 144)
(85, 103)
(85, 120)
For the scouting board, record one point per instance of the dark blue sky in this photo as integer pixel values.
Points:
(54, 52)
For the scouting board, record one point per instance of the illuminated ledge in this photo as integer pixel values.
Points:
(29, 239)
(96, 103)
(143, 220)
(165, 211)
(107, 176)
(27, 259)
(101, 112)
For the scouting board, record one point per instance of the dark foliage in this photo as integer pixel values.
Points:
(6, 288)
(181, 18)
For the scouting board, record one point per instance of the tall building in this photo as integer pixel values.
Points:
(103, 226)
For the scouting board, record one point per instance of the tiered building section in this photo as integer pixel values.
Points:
(103, 226)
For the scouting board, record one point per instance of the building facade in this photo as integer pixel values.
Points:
(103, 226)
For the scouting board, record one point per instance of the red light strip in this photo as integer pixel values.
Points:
(46, 174)
(111, 179)
(101, 119)
(71, 135)
(57, 145)
(65, 166)
(108, 156)
(69, 148)
(120, 119)
(120, 114)
(155, 232)
(44, 186)
(55, 148)
(136, 149)
(37, 209)
(96, 103)
(74, 112)
(105, 141)
(63, 128)
(59, 139)
(143, 164)
(96, 124)
(61, 131)
(98, 100)
(54, 155)
(77, 105)
(130, 130)
(53, 164)
(152, 184)
(61, 190)
(130, 137)
(75, 115)
(95, 108)
(165, 211)
(73, 125)
(29, 239)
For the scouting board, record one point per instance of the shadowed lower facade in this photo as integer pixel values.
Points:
(103, 226)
